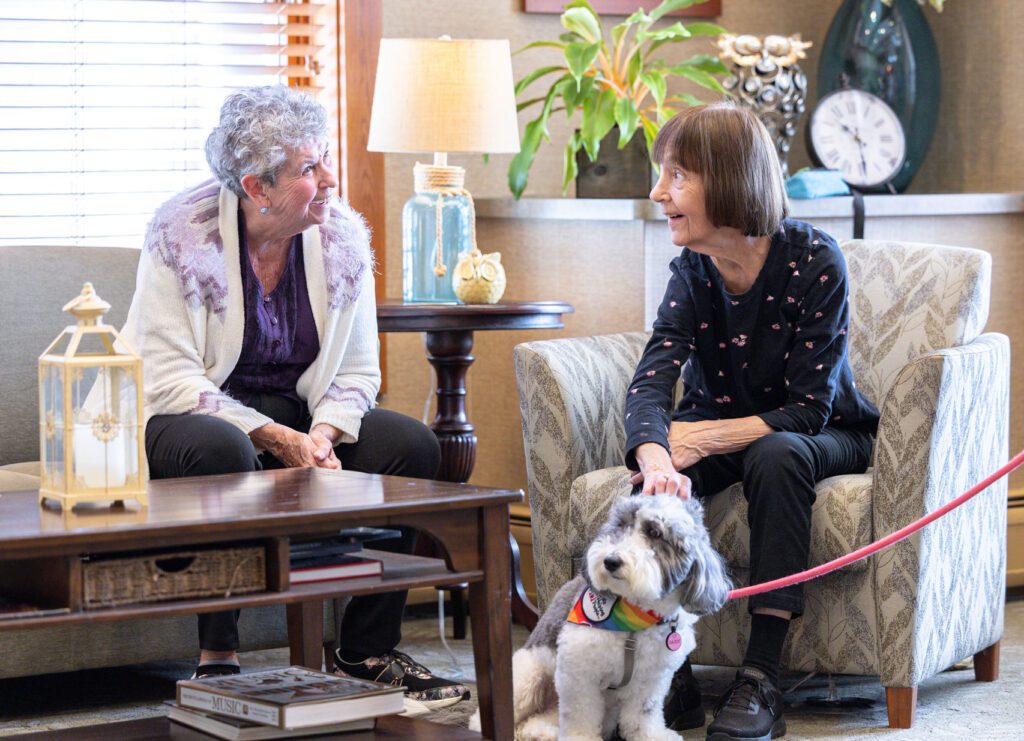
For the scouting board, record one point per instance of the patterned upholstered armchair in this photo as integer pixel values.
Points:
(918, 352)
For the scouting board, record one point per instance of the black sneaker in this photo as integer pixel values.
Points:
(749, 710)
(216, 670)
(684, 708)
(398, 668)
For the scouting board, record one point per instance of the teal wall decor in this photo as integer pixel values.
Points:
(889, 51)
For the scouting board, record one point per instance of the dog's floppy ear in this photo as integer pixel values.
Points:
(707, 585)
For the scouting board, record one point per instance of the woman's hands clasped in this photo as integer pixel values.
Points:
(297, 449)
(657, 472)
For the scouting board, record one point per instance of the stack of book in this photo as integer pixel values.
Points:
(336, 557)
(282, 703)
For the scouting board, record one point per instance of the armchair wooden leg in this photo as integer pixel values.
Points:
(901, 701)
(986, 664)
(524, 611)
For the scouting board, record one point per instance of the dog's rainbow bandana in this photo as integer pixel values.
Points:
(610, 613)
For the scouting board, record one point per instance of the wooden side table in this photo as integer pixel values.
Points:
(448, 330)
(448, 337)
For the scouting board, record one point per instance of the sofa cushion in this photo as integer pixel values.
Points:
(840, 518)
(19, 476)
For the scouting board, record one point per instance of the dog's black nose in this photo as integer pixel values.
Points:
(612, 563)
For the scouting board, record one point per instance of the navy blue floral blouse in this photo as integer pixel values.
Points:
(778, 351)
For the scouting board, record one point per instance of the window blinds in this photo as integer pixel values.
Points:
(105, 105)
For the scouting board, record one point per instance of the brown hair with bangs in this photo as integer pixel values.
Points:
(733, 153)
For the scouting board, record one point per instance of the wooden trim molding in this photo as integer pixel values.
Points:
(360, 25)
(708, 9)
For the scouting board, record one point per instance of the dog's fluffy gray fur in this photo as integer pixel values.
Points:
(662, 560)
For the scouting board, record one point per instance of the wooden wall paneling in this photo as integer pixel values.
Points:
(362, 173)
(710, 8)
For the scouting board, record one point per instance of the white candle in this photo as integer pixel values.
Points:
(100, 464)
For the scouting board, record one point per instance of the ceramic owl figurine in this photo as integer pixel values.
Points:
(479, 278)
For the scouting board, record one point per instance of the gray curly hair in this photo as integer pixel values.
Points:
(258, 125)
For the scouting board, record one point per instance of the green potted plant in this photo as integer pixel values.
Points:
(614, 81)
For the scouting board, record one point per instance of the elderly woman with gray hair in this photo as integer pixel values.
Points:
(255, 314)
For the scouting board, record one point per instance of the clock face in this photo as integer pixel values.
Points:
(858, 134)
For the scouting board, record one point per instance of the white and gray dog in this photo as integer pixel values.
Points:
(651, 567)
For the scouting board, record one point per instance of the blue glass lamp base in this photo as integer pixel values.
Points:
(420, 282)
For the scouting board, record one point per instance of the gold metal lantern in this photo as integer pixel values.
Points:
(91, 432)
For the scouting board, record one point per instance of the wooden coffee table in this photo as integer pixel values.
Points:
(41, 551)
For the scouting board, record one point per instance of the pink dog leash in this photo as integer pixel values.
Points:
(878, 545)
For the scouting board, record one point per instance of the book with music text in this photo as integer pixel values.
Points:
(236, 729)
(290, 698)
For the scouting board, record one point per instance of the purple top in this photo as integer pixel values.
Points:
(280, 340)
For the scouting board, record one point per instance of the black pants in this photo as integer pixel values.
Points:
(389, 443)
(778, 473)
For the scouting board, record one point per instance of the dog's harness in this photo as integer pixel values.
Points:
(605, 612)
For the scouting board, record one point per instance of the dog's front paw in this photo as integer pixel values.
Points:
(649, 734)
(538, 728)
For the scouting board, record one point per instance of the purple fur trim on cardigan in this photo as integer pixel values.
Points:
(211, 402)
(348, 394)
(345, 240)
(185, 236)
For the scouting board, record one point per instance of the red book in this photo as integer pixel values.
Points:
(340, 567)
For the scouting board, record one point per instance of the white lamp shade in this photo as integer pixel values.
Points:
(435, 95)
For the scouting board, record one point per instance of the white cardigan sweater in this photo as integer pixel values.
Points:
(187, 317)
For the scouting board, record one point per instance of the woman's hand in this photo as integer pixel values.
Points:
(688, 442)
(657, 472)
(324, 436)
(293, 448)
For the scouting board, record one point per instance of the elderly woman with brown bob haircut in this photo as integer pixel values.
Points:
(755, 318)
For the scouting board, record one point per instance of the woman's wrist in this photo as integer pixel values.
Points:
(269, 436)
(653, 456)
(332, 433)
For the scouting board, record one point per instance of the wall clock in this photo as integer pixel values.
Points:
(887, 50)
(858, 134)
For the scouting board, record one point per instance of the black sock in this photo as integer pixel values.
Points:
(764, 652)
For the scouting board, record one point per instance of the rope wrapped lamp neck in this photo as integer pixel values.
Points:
(444, 181)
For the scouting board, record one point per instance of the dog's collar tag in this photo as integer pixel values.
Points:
(610, 613)
(673, 640)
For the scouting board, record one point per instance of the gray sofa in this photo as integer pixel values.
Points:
(35, 282)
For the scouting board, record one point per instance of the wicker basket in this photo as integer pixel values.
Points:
(159, 577)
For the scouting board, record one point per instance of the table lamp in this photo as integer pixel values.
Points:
(441, 95)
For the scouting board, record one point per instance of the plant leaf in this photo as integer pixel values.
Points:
(618, 32)
(573, 93)
(633, 67)
(669, 5)
(555, 44)
(520, 164)
(528, 103)
(675, 32)
(569, 167)
(580, 57)
(699, 76)
(684, 98)
(650, 131)
(539, 72)
(639, 16)
(701, 28)
(536, 129)
(710, 64)
(580, 19)
(627, 119)
(598, 119)
(655, 82)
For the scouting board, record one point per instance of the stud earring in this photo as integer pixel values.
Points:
(264, 209)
